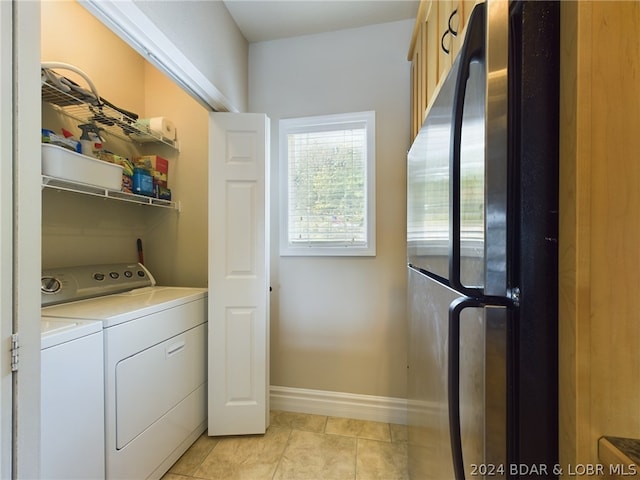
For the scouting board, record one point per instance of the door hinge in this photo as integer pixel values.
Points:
(14, 352)
(514, 295)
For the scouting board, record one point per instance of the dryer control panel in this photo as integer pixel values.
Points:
(67, 284)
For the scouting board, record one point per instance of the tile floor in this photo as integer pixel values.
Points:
(298, 447)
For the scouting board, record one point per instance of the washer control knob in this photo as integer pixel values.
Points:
(50, 285)
(98, 276)
(128, 273)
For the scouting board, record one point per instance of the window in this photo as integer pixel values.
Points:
(328, 185)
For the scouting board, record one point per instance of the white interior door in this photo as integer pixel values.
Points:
(238, 273)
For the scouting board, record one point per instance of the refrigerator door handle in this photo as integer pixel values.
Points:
(453, 370)
(453, 380)
(472, 49)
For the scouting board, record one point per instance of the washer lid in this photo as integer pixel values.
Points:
(122, 307)
(55, 331)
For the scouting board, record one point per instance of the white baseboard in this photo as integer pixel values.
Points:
(338, 404)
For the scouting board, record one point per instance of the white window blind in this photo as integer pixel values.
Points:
(327, 196)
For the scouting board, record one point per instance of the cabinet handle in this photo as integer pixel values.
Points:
(453, 14)
(449, 31)
(445, 49)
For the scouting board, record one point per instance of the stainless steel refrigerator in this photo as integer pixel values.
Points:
(482, 212)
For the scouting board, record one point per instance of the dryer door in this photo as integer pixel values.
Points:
(152, 382)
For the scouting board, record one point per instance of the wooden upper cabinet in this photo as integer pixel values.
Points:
(458, 23)
(436, 40)
(446, 15)
(419, 68)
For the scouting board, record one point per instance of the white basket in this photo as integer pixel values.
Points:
(63, 163)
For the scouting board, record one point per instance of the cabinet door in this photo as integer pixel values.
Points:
(445, 37)
(416, 90)
(452, 21)
(424, 66)
(456, 22)
(431, 47)
(430, 62)
(459, 23)
(238, 355)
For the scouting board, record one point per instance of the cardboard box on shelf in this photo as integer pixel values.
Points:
(158, 166)
(125, 163)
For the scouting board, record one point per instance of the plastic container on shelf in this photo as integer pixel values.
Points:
(62, 163)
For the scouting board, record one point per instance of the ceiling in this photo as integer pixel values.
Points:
(261, 20)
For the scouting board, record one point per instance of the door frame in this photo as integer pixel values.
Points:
(6, 233)
(21, 238)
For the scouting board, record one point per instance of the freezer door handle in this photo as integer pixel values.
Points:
(453, 370)
(472, 50)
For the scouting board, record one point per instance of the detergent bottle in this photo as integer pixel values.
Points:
(87, 141)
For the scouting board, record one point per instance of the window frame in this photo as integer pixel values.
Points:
(314, 123)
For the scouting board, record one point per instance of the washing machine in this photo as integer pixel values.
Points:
(72, 400)
(154, 362)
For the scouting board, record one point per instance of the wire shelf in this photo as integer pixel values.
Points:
(87, 109)
(61, 184)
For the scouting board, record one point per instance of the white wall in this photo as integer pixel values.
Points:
(206, 34)
(177, 243)
(339, 324)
